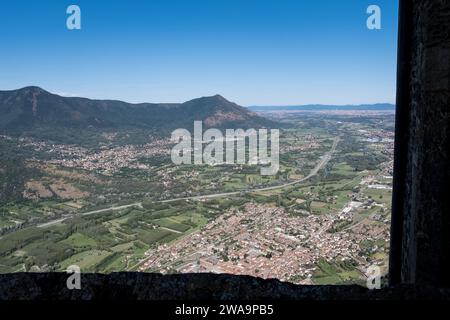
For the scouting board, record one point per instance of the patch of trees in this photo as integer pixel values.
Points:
(361, 163)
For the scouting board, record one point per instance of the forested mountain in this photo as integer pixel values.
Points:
(32, 111)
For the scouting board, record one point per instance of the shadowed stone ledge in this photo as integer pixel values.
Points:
(149, 286)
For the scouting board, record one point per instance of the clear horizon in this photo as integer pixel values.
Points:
(254, 53)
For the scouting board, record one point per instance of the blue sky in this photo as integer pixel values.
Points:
(253, 52)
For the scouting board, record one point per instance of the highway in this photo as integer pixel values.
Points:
(47, 224)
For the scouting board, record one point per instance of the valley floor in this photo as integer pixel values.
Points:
(323, 219)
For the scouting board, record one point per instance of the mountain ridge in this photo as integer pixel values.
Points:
(33, 110)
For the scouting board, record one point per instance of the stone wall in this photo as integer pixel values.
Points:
(148, 286)
(423, 145)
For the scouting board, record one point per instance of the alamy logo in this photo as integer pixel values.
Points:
(241, 147)
(373, 274)
(73, 22)
(374, 20)
(74, 280)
